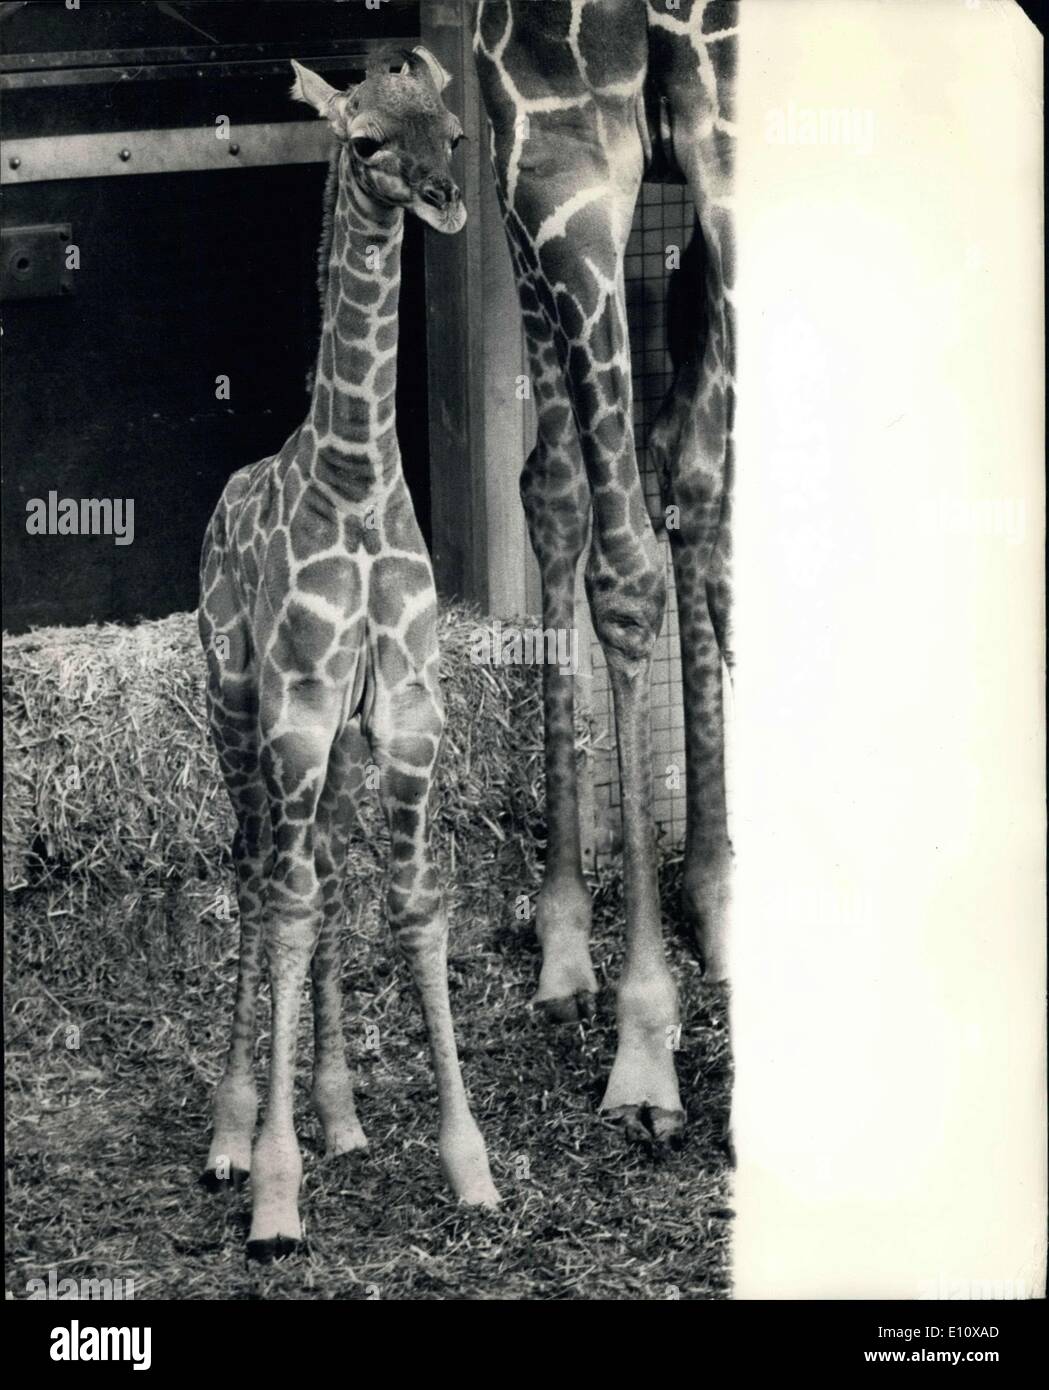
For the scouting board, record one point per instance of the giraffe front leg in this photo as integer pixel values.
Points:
(276, 1228)
(405, 743)
(557, 504)
(642, 1088)
(232, 713)
(296, 743)
(332, 1093)
(235, 1105)
(567, 985)
(332, 1083)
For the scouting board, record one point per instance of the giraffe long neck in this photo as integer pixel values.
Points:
(352, 406)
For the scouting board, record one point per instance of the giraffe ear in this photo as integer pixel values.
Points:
(438, 75)
(312, 89)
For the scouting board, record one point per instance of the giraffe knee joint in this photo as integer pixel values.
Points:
(627, 595)
(412, 723)
(290, 941)
(416, 907)
(627, 624)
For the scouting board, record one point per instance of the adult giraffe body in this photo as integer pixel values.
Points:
(318, 619)
(586, 97)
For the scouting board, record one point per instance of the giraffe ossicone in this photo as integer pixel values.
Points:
(318, 621)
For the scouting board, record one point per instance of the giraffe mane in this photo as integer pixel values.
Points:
(331, 195)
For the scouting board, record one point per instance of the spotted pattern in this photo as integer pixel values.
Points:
(584, 97)
(318, 621)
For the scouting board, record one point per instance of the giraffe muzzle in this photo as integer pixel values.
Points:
(439, 193)
(440, 204)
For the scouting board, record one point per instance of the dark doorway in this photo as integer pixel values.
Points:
(110, 392)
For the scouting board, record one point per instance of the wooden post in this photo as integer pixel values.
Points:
(454, 311)
(481, 424)
(510, 425)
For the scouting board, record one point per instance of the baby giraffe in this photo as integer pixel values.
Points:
(318, 619)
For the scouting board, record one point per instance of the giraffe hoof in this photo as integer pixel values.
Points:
(727, 1146)
(265, 1252)
(704, 919)
(649, 1124)
(464, 1160)
(710, 962)
(211, 1181)
(711, 967)
(570, 1008)
(350, 1142)
(480, 1194)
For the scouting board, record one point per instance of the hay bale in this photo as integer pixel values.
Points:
(112, 782)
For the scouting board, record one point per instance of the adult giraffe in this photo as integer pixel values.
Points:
(586, 97)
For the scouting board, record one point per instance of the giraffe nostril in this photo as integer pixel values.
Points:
(437, 197)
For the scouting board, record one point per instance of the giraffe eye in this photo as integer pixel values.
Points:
(364, 146)
(457, 139)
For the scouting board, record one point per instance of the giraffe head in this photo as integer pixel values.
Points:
(397, 133)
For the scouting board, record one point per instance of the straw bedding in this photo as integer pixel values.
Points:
(122, 946)
(112, 784)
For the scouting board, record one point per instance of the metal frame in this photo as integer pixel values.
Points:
(35, 70)
(66, 157)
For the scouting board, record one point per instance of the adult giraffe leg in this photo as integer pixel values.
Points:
(405, 732)
(626, 592)
(689, 450)
(563, 86)
(298, 721)
(336, 814)
(693, 54)
(642, 1088)
(557, 506)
